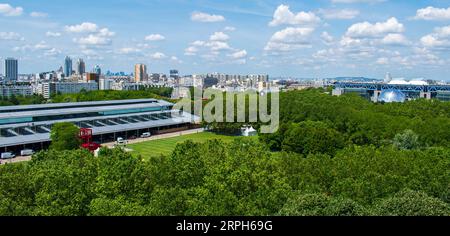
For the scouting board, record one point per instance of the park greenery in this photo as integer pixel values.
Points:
(21, 100)
(332, 156)
(87, 96)
(65, 136)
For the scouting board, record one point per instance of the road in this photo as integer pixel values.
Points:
(156, 137)
(15, 160)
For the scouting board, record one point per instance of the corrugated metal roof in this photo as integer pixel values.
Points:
(52, 111)
(37, 138)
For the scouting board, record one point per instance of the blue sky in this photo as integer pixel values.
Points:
(310, 38)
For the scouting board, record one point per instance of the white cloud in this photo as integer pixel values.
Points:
(357, 1)
(366, 29)
(53, 52)
(128, 50)
(439, 39)
(395, 39)
(38, 14)
(218, 46)
(85, 27)
(326, 38)
(219, 36)
(198, 43)
(94, 40)
(158, 55)
(283, 16)
(53, 34)
(190, 51)
(239, 54)
(175, 59)
(205, 17)
(289, 39)
(382, 61)
(8, 10)
(42, 46)
(96, 37)
(343, 14)
(13, 36)
(229, 28)
(432, 13)
(154, 37)
(106, 33)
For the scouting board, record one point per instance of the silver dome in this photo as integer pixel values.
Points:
(392, 95)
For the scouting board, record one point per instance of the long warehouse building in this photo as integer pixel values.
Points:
(29, 126)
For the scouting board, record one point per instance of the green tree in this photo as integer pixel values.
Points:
(64, 136)
(312, 137)
(406, 140)
(412, 203)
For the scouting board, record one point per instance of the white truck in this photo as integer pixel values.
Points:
(7, 155)
(27, 152)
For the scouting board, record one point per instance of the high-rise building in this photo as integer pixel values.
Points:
(11, 70)
(140, 73)
(68, 67)
(97, 70)
(174, 74)
(81, 67)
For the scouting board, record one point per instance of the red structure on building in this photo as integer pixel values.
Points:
(86, 136)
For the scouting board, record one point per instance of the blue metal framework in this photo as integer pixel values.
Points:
(400, 87)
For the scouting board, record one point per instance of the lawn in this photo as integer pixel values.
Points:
(166, 146)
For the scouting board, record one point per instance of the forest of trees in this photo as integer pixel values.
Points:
(333, 156)
(102, 95)
(86, 96)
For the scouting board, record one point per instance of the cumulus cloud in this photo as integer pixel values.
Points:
(366, 29)
(395, 39)
(205, 17)
(12, 36)
(128, 50)
(154, 37)
(239, 54)
(38, 14)
(229, 28)
(86, 27)
(191, 51)
(432, 13)
(8, 10)
(439, 39)
(93, 40)
(218, 45)
(219, 36)
(289, 39)
(342, 14)
(326, 38)
(53, 34)
(96, 36)
(357, 1)
(158, 55)
(284, 16)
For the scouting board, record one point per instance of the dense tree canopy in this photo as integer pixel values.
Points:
(331, 156)
(64, 136)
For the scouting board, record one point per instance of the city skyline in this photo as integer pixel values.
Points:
(324, 38)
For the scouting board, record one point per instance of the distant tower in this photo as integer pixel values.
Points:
(68, 67)
(97, 70)
(11, 70)
(140, 73)
(388, 78)
(81, 67)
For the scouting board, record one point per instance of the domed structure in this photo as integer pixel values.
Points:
(392, 95)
